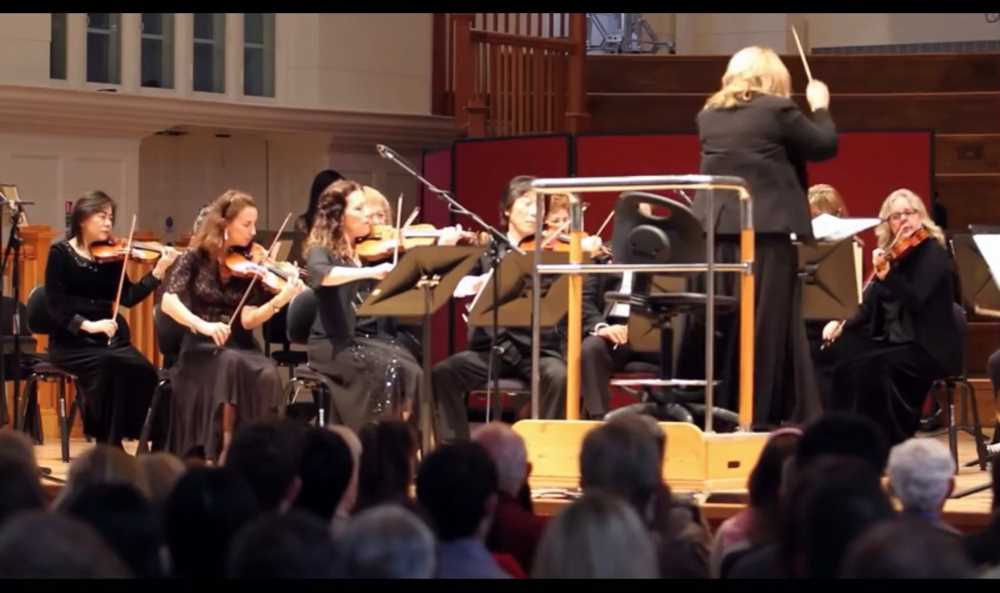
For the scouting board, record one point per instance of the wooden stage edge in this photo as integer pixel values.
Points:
(971, 513)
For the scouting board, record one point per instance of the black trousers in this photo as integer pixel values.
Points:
(464, 371)
(599, 360)
(886, 382)
(784, 379)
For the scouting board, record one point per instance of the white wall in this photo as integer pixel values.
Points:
(50, 170)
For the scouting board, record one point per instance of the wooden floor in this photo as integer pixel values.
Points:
(968, 513)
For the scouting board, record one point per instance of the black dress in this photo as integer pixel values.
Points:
(767, 142)
(374, 375)
(904, 336)
(117, 381)
(206, 376)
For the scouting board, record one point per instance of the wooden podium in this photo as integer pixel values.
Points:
(695, 460)
(37, 239)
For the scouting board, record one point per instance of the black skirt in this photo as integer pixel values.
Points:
(117, 384)
(373, 379)
(204, 378)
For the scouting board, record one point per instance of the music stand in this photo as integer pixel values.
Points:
(514, 295)
(420, 284)
(822, 270)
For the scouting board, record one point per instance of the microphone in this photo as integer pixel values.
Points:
(385, 152)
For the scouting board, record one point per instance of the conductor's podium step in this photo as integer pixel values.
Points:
(695, 461)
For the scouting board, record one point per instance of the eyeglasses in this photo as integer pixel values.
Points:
(896, 216)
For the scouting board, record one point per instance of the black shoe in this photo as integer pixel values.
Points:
(933, 422)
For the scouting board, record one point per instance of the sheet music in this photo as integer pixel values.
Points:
(467, 286)
(827, 227)
(989, 248)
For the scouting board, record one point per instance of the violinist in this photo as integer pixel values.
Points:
(905, 335)
(116, 380)
(374, 376)
(377, 207)
(464, 371)
(222, 380)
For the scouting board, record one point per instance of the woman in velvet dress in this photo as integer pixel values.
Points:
(375, 376)
(222, 379)
(116, 380)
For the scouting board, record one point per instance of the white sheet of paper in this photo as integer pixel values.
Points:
(466, 287)
(827, 227)
(989, 247)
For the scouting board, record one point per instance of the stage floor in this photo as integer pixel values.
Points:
(969, 513)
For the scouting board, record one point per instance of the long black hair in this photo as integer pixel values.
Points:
(322, 181)
(86, 206)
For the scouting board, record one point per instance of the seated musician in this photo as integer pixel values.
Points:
(80, 291)
(823, 199)
(905, 334)
(222, 380)
(375, 376)
(468, 370)
(605, 349)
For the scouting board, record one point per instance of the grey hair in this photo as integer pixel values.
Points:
(920, 473)
(598, 536)
(508, 451)
(387, 542)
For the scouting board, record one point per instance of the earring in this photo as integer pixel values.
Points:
(225, 235)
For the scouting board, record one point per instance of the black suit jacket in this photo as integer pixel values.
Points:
(767, 142)
(595, 286)
(923, 282)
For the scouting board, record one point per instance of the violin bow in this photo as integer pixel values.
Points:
(605, 223)
(121, 279)
(802, 54)
(246, 293)
(399, 226)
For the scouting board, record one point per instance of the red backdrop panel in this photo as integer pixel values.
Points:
(437, 170)
(482, 170)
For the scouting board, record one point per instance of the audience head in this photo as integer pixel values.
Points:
(267, 454)
(388, 456)
(387, 542)
(831, 502)
(906, 548)
(17, 443)
(508, 452)
(203, 513)
(20, 489)
(40, 545)
(292, 545)
(127, 522)
(623, 460)
(103, 464)
(161, 471)
(843, 433)
(765, 480)
(645, 422)
(457, 486)
(350, 497)
(599, 536)
(326, 469)
(921, 474)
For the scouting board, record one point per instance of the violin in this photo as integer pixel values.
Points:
(253, 261)
(381, 242)
(113, 250)
(560, 243)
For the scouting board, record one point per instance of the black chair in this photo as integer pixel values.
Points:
(967, 400)
(672, 236)
(169, 337)
(275, 331)
(39, 322)
(302, 312)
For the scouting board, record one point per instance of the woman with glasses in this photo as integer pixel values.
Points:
(905, 334)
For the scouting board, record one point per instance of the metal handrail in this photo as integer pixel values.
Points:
(711, 183)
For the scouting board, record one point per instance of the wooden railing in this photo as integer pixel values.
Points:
(511, 83)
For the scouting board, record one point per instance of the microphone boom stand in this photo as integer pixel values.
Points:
(497, 239)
